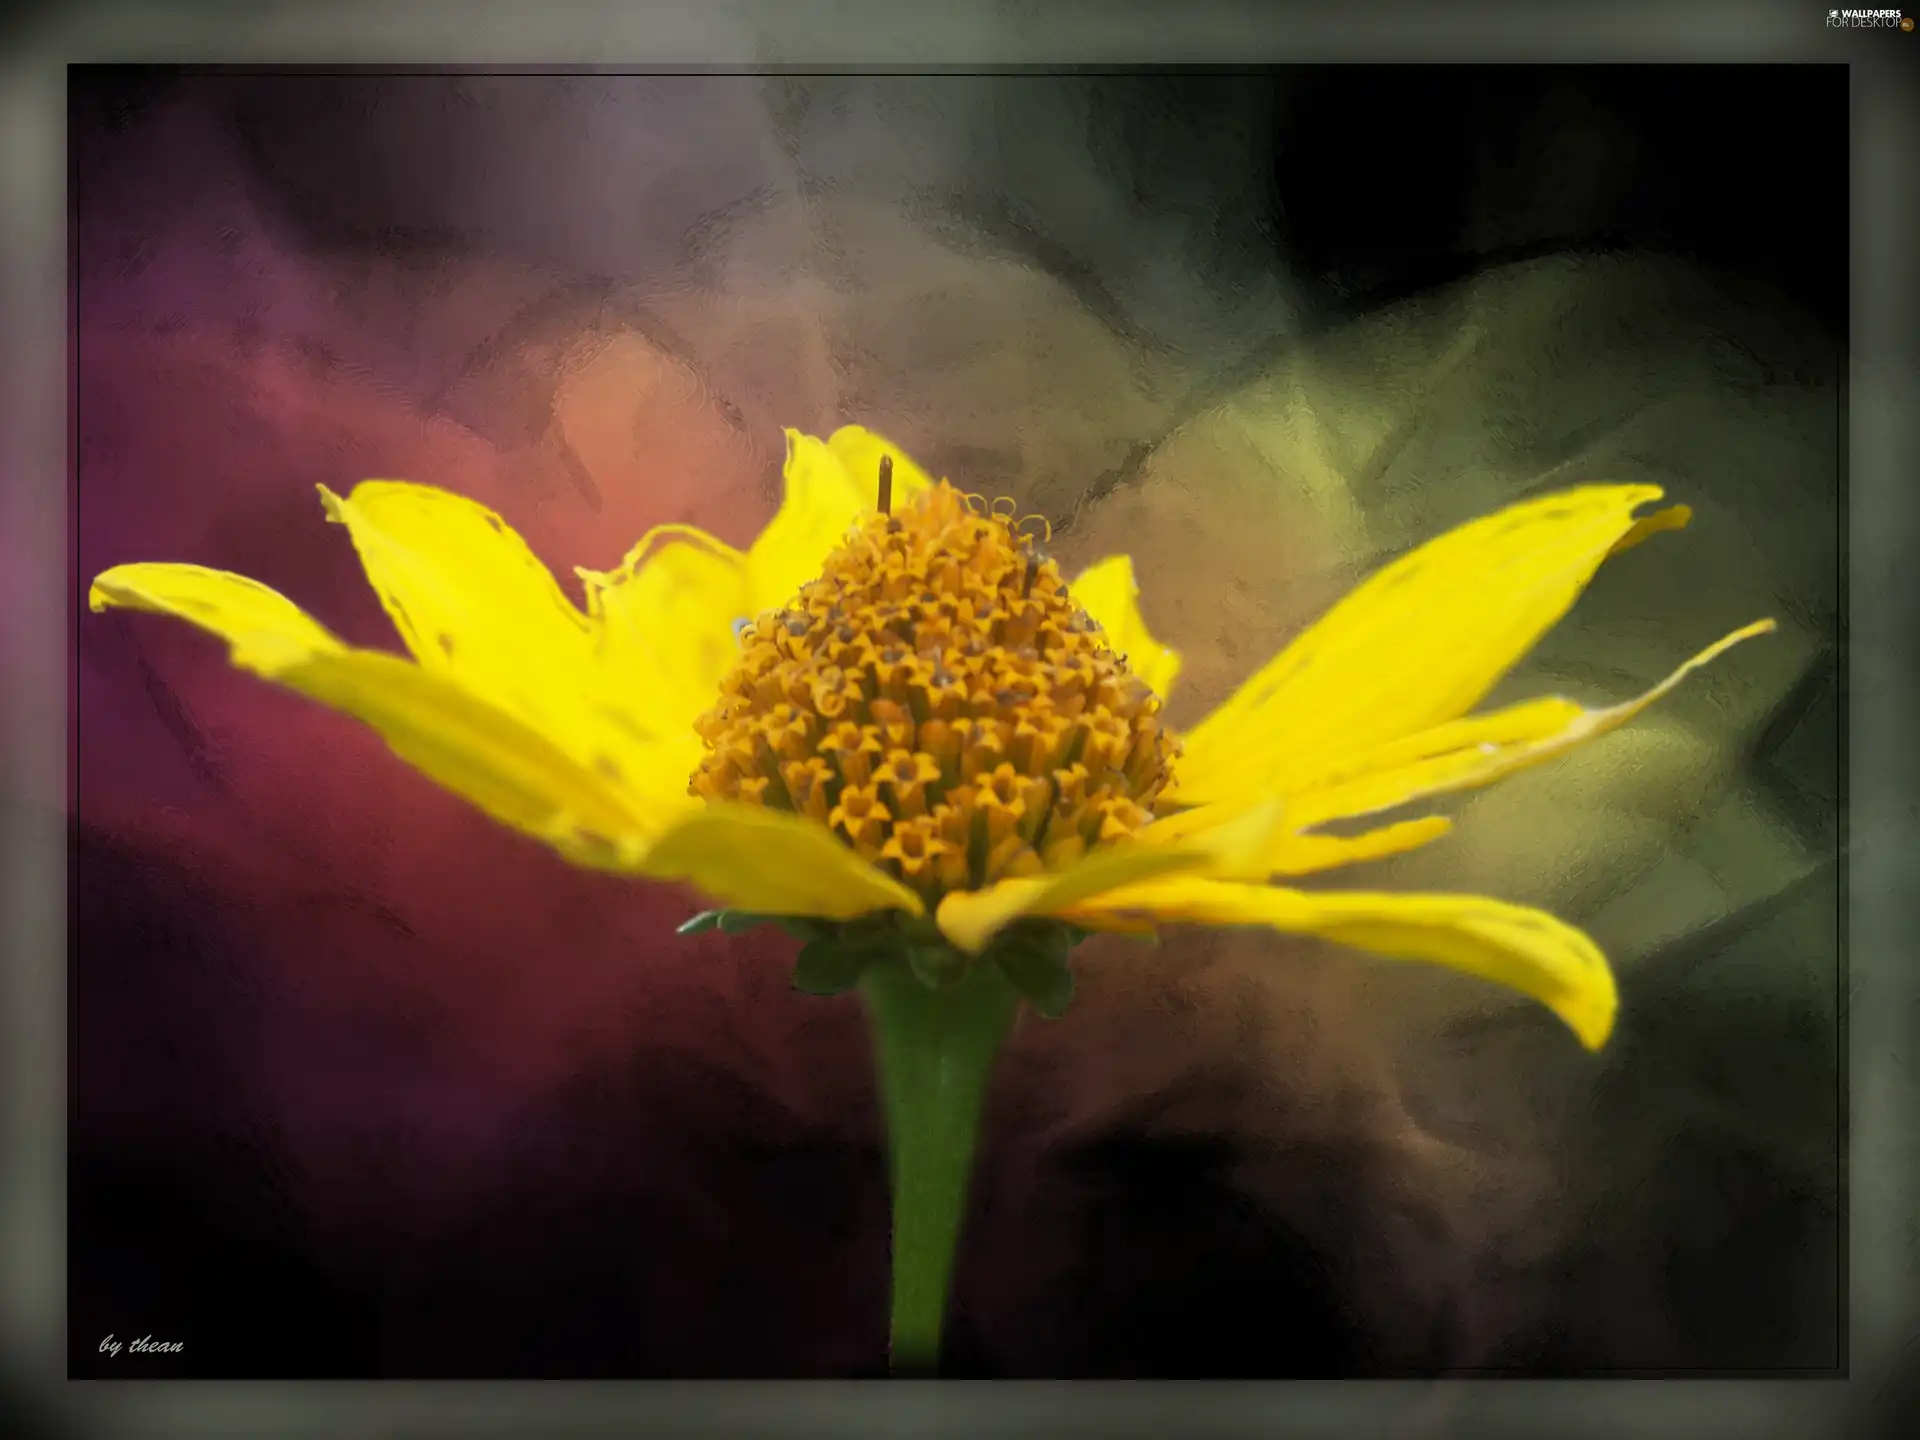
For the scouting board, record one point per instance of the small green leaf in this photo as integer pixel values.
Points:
(826, 967)
(741, 922)
(1038, 969)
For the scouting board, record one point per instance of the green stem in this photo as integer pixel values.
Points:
(935, 1050)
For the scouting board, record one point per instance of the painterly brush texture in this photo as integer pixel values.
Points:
(408, 1095)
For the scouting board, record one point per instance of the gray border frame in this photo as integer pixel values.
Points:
(1884, 818)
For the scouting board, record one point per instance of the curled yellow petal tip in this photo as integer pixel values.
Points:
(1592, 1024)
(1521, 948)
(333, 505)
(1674, 517)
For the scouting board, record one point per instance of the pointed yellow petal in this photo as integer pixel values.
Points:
(666, 626)
(1418, 644)
(478, 608)
(821, 505)
(672, 610)
(971, 919)
(484, 755)
(1459, 755)
(1107, 591)
(773, 863)
(1285, 850)
(452, 735)
(1674, 517)
(1467, 754)
(260, 625)
(467, 596)
(859, 450)
(1524, 949)
(1296, 854)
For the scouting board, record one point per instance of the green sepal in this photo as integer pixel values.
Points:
(1034, 958)
(936, 965)
(741, 922)
(828, 966)
(804, 929)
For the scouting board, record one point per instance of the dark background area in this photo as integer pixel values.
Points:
(665, 1214)
(1367, 182)
(1740, 167)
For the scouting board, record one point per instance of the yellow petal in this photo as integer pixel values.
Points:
(483, 754)
(1107, 591)
(1459, 755)
(1418, 644)
(821, 505)
(1524, 949)
(477, 607)
(467, 596)
(1466, 754)
(1674, 517)
(666, 626)
(859, 451)
(261, 626)
(672, 610)
(971, 919)
(1296, 854)
(1285, 850)
(773, 863)
(452, 735)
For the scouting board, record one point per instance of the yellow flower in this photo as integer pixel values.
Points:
(914, 712)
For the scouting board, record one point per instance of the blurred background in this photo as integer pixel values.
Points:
(363, 1086)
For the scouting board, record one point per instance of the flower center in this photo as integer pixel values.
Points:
(937, 699)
